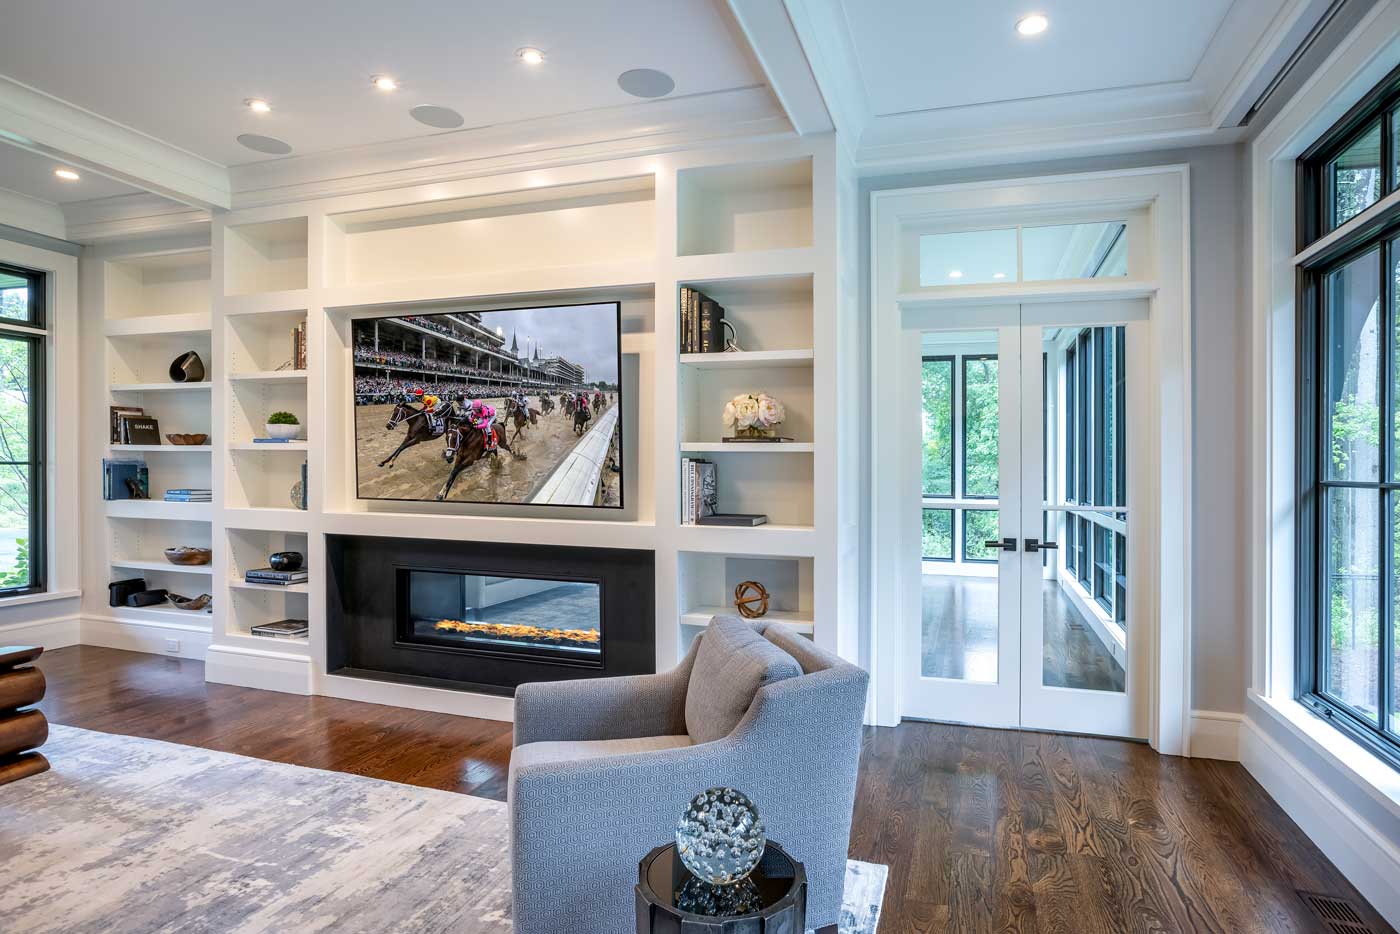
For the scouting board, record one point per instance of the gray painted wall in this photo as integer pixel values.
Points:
(1220, 388)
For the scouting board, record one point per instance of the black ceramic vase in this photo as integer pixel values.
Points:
(187, 368)
(285, 560)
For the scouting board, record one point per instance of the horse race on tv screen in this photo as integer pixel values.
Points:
(519, 406)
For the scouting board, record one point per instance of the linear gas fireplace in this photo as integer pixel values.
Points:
(487, 617)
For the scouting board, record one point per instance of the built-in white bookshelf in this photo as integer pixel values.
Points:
(740, 224)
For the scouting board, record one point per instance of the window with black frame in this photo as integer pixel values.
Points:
(1349, 425)
(22, 354)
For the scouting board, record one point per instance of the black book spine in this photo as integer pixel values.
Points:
(711, 327)
(686, 301)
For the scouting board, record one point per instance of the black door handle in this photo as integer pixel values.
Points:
(1032, 546)
(1006, 544)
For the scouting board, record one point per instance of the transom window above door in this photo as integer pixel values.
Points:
(1024, 253)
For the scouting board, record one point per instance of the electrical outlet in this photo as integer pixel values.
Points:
(172, 645)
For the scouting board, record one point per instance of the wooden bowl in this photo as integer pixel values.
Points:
(187, 555)
(187, 439)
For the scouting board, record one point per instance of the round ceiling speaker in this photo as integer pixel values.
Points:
(646, 82)
(265, 144)
(442, 118)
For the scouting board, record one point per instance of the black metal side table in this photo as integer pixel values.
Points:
(670, 900)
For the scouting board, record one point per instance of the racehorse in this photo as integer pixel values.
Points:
(420, 429)
(546, 404)
(471, 447)
(519, 417)
(581, 417)
(598, 402)
(568, 405)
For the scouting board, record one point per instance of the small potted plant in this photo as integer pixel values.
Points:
(283, 426)
(754, 416)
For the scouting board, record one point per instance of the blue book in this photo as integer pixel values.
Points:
(273, 440)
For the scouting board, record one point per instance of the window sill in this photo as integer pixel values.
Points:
(1370, 774)
(45, 597)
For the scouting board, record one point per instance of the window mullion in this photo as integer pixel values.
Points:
(1386, 608)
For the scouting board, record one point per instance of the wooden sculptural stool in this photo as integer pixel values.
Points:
(21, 731)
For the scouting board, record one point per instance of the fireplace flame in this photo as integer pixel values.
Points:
(520, 633)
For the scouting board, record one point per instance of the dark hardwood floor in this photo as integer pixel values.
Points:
(983, 830)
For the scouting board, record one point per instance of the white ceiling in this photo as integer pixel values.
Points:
(180, 71)
(917, 55)
(32, 175)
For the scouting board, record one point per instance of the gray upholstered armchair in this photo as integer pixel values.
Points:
(602, 770)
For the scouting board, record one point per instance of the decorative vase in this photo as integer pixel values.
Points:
(755, 432)
(285, 560)
(283, 432)
(187, 368)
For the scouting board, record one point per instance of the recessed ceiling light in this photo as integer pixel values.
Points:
(384, 82)
(269, 145)
(530, 56)
(68, 175)
(955, 274)
(1033, 24)
(257, 105)
(646, 82)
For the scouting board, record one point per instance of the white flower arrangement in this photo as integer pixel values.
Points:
(754, 411)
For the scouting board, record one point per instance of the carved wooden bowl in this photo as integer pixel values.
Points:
(187, 439)
(188, 555)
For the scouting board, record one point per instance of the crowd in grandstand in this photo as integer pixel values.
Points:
(433, 324)
(407, 361)
(380, 390)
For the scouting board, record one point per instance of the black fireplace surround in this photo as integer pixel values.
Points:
(377, 625)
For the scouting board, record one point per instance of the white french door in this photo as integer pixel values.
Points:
(1035, 505)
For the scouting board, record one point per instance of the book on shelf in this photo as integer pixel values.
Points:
(299, 346)
(766, 439)
(701, 322)
(173, 497)
(302, 503)
(115, 413)
(273, 576)
(739, 519)
(700, 489)
(137, 429)
(125, 479)
(274, 440)
(282, 629)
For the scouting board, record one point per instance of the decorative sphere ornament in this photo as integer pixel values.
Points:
(720, 837)
(751, 599)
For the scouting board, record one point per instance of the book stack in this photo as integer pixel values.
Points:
(125, 479)
(702, 322)
(282, 629)
(700, 497)
(299, 346)
(275, 577)
(189, 496)
(130, 425)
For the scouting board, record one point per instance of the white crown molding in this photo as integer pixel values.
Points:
(825, 35)
(632, 130)
(1234, 82)
(126, 216)
(46, 125)
(42, 217)
(786, 61)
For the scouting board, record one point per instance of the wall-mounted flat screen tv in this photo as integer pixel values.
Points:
(518, 406)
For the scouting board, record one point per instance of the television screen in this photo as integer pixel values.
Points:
(519, 406)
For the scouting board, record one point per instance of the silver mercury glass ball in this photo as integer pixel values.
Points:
(720, 837)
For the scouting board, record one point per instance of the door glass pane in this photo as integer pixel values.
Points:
(16, 501)
(968, 257)
(960, 614)
(1351, 654)
(1354, 177)
(981, 426)
(1084, 584)
(1395, 614)
(1352, 302)
(938, 426)
(1074, 251)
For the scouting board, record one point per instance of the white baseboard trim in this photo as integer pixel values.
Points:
(178, 640)
(1368, 860)
(1215, 734)
(256, 668)
(418, 697)
(55, 633)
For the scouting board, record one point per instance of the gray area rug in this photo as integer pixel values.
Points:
(135, 835)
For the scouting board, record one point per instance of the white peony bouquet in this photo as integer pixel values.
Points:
(754, 412)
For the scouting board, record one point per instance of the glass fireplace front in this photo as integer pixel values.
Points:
(507, 615)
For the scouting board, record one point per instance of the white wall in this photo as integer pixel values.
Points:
(1220, 323)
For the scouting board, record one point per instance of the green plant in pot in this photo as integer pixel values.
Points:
(283, 426)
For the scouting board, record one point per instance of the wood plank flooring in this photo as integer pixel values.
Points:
(983, 830)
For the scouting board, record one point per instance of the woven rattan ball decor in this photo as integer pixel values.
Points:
(751, 599)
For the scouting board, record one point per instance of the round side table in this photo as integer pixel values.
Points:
(670, 900)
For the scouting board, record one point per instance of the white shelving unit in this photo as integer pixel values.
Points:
(752, 226)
